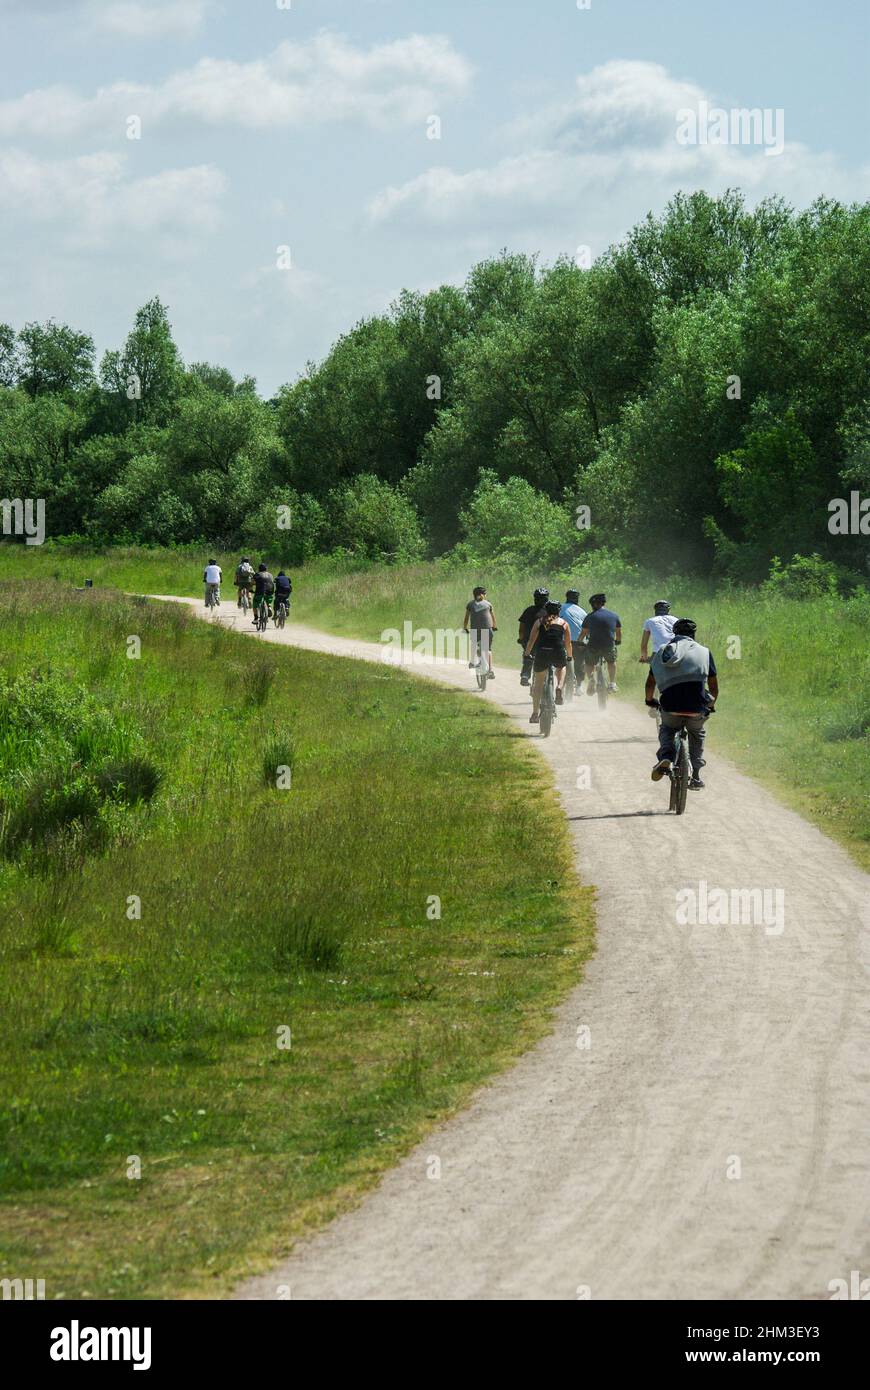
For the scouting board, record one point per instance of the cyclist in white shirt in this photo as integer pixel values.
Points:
(660, 628)
(212, 579)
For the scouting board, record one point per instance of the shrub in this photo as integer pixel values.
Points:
(373, 519)
(804, 576)
(510, 523)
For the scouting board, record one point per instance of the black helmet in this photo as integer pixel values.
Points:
(244, 560)
(662, 606)
(541, 596)
(212, 562)
(572, 596)
(280, 572)
(685, 627)
(262, 565)
(598, 600)
(553, 609)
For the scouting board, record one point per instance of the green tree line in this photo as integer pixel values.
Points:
(696, 398)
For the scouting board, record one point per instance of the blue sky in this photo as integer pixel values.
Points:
(307, 127)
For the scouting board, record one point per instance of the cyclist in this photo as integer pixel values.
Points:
(243, 578)
(211, 577)
(603, 632)
(681, 670)
(549, 645)
(283, 589)
(660, 628)
(480, 618)
(528, 618)
(264, 587)
(573, 615)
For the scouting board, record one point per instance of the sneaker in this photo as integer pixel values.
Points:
(613, 687)
(524, 680)
(490, 675)
(696, 785)
(534, 719)
(661, 769)
(559, 700)
(471, 665)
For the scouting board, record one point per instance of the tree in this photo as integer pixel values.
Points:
(54, 359)
(145, 377)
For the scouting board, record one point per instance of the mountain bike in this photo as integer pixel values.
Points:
(262, 616)
(280, 613)
(212, 597)
(548, 703)
(244, 601)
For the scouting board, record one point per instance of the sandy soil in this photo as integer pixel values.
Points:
(611, 1170)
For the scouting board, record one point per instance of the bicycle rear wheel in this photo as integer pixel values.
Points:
(681, 776)
(601, 687)
(568, 687)
(548, 706)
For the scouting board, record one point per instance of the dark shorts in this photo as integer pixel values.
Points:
(544, 660)
(591, 655)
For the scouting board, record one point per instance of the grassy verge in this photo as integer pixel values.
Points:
(157, 1043)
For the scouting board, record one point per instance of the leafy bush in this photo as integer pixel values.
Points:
(510, 523)
(804, 576)
(373, 519)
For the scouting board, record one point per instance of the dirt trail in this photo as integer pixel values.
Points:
(608, 1167)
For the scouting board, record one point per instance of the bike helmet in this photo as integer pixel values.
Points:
(662, 606)
(263, 565)
(244, 560)
(541, 596)
(685, 627)
(553, 609)
(598, 600)
(572, 596)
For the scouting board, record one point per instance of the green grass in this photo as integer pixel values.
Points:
(155, 1039)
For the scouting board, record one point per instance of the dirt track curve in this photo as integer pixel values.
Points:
(714, 1050)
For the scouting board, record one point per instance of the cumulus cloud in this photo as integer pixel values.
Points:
(94, 200)
(324, 79)
(591, 161)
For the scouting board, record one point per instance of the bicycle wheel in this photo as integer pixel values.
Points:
(681, 776)
(568, 687)
(601, 686)
(548, 707)
(482, 675)
(244, 600)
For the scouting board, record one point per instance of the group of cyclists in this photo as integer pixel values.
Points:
(260, 586)
(570, 640)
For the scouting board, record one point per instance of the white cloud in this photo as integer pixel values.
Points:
(592, 163)
(93, 201)
(322, 80)
(135, 19)
(131, 19)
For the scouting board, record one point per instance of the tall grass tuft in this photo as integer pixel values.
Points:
(307, 941)
(279, 751)
(258, 679)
